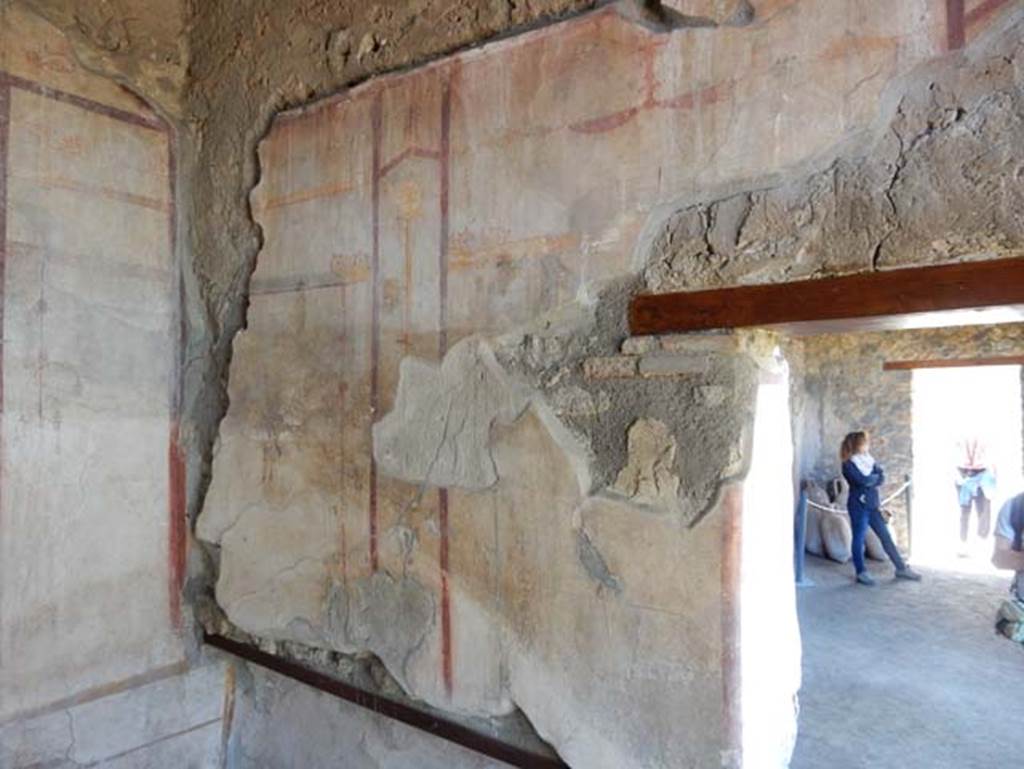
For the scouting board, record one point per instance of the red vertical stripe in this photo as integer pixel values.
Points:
(954, 24)
(375, 124)
(177, 539)
(442, 494)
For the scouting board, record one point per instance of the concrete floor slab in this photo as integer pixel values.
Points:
(906, 674)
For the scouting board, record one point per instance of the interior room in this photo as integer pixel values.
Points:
(457, 384)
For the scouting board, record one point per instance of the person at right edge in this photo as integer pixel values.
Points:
(1009, 543)
(865, 476)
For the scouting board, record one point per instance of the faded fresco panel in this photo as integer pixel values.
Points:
(455, 206)
(89, 329)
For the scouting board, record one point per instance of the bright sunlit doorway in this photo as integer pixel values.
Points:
(951, 406)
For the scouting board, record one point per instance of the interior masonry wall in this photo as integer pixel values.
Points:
(509, 501)
(443, 458)
(279, 722)
(92, 530)
(844, 388)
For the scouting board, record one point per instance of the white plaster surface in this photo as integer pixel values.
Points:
(173, 721)
(88, 355)
(466, 200)
(284, 724)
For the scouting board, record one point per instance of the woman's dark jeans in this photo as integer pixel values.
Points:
(873, 518)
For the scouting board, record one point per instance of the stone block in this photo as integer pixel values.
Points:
(715, 343)
(615, 367)
(639, 345)
(656, 365)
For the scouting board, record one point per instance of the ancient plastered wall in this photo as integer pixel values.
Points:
(418, 461)
(92, 662)
(279, 722)
(846, 389)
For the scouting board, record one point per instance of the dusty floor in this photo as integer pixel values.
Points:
(907, 676)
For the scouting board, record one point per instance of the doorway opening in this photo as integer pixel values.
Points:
(967, 449)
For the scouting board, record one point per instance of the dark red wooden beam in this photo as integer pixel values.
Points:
(993, 283)
(999, 360)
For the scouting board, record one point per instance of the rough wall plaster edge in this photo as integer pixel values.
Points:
(856, 145)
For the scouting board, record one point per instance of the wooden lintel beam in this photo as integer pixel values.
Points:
(911, 290)
(907, 365)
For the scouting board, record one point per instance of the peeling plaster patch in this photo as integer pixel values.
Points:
(940, 183)
(648, 477)
(439, 430)
(388, 615)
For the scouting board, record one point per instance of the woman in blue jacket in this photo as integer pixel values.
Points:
(865, 477)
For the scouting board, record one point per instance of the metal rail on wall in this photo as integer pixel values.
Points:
(438, 726)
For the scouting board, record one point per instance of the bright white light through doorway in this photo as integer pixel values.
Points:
(951, 405)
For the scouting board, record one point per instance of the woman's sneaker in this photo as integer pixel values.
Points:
(866, 579)
(908, 573)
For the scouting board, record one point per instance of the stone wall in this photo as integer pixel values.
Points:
(844, 388)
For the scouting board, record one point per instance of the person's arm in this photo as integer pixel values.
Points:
(856, 478)
(1005, 557)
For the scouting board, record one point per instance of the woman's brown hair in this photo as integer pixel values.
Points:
(852, 443)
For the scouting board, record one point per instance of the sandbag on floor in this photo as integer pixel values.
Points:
(837, 536)
(812, 535)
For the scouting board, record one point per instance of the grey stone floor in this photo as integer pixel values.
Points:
(905, 675)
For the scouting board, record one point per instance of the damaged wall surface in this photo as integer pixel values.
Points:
(280, 723)
(440, 452)
(89, 326)
(427, 451)
(92, 527)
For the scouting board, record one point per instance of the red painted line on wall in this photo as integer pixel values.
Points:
(442, 336)
(176, 539)
(408, 152)
(700, 97)
(143, 121)
(605, 122)
(99, 692)
(375, 125)
(177, 529)
(979, 13)
(954, 24)
(732, 531)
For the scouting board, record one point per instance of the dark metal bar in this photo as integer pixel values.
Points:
(407, 714)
